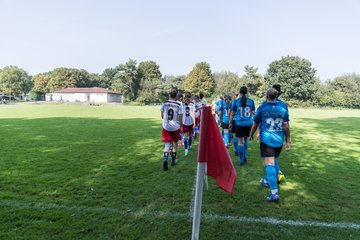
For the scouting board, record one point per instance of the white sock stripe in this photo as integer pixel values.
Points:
(161, 214)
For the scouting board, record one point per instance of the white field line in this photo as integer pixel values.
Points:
(162, 214)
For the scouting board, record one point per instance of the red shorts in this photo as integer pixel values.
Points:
(197, 121)
(188, 129)
(170, 136)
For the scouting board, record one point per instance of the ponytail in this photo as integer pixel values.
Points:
(243, 100)
(243, 92)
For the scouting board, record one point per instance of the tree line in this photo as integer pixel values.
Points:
(145, 84)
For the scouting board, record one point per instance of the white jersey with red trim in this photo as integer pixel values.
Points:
(198, 107)
(188, 114)
(171, 110)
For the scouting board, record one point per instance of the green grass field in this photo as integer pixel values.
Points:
(95, 172)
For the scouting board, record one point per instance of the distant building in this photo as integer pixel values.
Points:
(92, 95)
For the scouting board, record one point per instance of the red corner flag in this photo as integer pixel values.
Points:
(213, 151)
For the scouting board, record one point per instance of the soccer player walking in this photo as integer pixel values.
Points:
(224, 113)
(242, 111)
(188, 121)
(171, 113)
(279, 174)
(274, 126)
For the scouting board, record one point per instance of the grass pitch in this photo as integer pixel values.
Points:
(95, 172)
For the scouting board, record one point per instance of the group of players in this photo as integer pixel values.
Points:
(239, 122)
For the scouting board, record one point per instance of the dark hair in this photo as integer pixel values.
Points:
(271, 94)
(278, 88)
(187, 95)
(201, 95)
(173, 93)
(227, 97)
(243, 91)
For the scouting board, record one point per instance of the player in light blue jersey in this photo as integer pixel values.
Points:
(279, 174)
(242, 111)
(233, 130)
(224, 113)
(274, 126)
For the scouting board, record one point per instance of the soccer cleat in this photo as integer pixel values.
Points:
(264, 183)
(245, 160)
(281, 177)
(273, 198)
(165, 165)
(186, 152)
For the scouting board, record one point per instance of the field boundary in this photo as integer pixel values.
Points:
(163, 214)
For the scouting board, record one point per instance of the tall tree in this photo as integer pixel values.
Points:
(296, 76)
(150, 80)
(227, 83)
(200, 79)
(68, 77)
(127, 80)
(107, 77)
(15, 81)
(254, 81)
(41, 82)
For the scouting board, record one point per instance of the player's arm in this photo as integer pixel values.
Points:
(258, 132)
(162, 115)
(180, 117)
(220, 115)
(231, 117)
(287, 136)
(253, 130)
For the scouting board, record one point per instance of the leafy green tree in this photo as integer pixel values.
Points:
(254, 81)
(150, 80)
(295, 75)
(174, 81)
(127, 80)
(200, 79)
(68, 77)
(107, 77)
(346, 90)
(15, 81)
(41, 82)
(227, 83)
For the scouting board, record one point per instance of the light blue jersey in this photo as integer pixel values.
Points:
(272, 117)
(283, 104)
(243, 115)
(225, 113)
(219, 103)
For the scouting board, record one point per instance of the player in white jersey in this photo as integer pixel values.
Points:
(171, 113)
(188, 121)
(197, 106)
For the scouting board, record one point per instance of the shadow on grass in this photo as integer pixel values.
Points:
(323, 168)
(91, 162)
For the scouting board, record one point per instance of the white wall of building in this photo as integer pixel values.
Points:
(83, 97)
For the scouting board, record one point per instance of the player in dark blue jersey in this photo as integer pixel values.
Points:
(274, 126)
(224, 113)
(242, 111)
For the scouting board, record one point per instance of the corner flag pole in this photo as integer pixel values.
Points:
(200, 173)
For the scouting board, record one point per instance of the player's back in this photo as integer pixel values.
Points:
(243, 114)
(272, 117)
(171, 110)
(188, 110)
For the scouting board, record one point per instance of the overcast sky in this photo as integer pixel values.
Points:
(40, 35)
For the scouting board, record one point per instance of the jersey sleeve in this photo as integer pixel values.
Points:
(162, 108)
(257, 116)
(181, 109)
